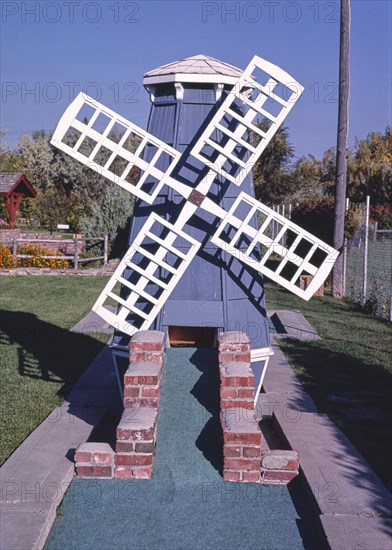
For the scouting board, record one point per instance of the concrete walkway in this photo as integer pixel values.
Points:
(354, 506)
(34, 479)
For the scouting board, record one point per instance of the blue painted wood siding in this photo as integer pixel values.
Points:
(232, 294)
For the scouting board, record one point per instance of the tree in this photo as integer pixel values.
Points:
(10, 161)
(306, 180)
(110, 214)
(51, 208)
(370, 172)
(341, 156)
(270, 173)
(77, 179)
(76, 188)
(37, 160)
(328, 171)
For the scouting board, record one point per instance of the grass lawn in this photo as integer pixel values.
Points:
(347, 372)
(39, 358)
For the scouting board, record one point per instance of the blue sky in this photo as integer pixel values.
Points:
(51, 50)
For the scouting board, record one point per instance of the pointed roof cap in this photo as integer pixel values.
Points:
(15, 182)
(198, 68)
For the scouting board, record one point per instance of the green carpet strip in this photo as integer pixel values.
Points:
(186, 505)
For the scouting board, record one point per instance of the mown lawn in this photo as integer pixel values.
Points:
(348, 372)
(40, 359)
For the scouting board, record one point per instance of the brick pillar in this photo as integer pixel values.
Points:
(135, 446)
(237, 385)
(94, 460)
(241, 432)
(136, 432)
(234, 346)
(147, 345)
(241, 445)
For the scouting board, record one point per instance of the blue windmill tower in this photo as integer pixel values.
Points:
(200, 242)
(217, 292)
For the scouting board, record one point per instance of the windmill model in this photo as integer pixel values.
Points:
(199, 185)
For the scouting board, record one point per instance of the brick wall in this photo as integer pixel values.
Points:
(278, 467)
(95, 460)
(241, 433)
(246, 453)
(136, 433)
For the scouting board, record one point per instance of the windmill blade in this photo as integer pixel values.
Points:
(155, 262)
(279, 249)
(273, 97)
(116, 148)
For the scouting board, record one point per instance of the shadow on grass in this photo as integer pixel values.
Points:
(46, 351)
(354, 393)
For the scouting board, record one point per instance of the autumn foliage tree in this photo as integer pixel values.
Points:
(271, 171)
(370, 171)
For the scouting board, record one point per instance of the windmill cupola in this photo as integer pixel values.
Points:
(183, 77)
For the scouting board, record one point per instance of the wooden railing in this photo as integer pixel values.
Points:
(75, 258)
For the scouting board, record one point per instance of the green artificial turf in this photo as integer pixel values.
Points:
(40, 359)
(347, 372)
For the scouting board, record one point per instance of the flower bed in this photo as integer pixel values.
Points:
(35, 256)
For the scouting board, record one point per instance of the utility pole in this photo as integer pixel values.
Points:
(341, 148)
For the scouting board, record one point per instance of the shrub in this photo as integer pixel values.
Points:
(7, 260)
(317, 217)
(5, 225)
(382, 214)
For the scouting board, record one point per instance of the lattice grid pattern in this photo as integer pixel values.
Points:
(157, 263)
(292, 252)
(115, 147)
(273, 98)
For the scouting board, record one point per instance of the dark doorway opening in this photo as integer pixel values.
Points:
(192, 337)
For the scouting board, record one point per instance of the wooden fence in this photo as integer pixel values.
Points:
(75, 258)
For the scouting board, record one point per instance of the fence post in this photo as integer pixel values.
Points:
(105, 249)
(365, 252)
(76, 256)
(14, 247)
(276, 223)
(344, 265)
(390, 300)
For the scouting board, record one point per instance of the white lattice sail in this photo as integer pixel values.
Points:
(115, 148)
(263, 89)
(155, 262)
(279, 249)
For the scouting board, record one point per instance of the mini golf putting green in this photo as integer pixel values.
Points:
(186, 505)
